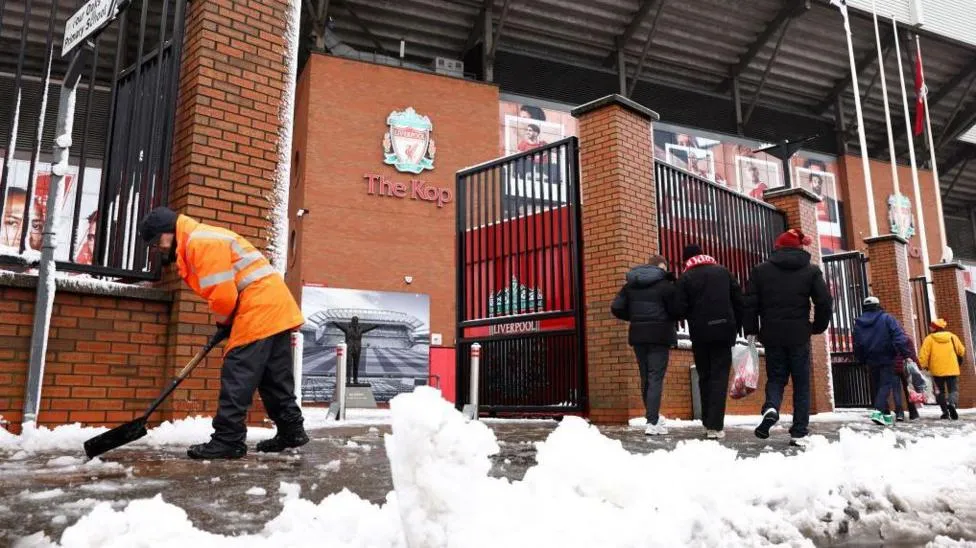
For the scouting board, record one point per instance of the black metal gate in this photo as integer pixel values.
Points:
(922, 314)
(971, 307)
(519, 282)
(847, 279)
(122, 137)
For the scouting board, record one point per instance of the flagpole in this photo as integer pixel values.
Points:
(865, 162)
(935, 167)
(884, 92)
(919, 215)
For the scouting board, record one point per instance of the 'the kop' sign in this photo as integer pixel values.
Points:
(417, 190)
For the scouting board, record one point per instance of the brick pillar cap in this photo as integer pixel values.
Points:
(619, 100)
(785, 192)
(886, 238)
(947, 266)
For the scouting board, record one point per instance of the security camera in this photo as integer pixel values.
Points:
(408, 279)
(302, 212)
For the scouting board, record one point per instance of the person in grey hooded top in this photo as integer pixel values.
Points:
(647, 301)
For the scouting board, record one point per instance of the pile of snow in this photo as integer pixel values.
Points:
(588, 491)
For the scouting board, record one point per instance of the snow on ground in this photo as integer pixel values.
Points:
(841, 415)
(586, 490)
(71, 437)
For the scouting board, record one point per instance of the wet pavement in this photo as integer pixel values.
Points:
(49, 492)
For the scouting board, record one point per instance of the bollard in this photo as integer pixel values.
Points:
(471, 409)
(296, 363)
(337, 409)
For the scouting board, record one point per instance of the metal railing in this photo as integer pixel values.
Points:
(735, 229)
(921, 313)
(847, 280)
(121, 141)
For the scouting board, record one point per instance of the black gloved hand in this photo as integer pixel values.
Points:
(223, 332)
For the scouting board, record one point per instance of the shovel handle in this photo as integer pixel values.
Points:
(214, 341)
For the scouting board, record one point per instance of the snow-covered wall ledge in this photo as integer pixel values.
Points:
(88, 286)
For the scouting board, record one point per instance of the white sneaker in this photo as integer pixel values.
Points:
(655, 429)
(799, 442)
(715, 434)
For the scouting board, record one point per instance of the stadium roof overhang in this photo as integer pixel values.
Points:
(765, 69)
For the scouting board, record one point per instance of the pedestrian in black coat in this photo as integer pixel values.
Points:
(779, 296)
(647, 301)
(710, 298)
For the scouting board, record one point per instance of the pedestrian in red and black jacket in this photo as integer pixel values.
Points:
(710, 298)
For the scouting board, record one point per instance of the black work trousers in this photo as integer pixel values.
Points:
(265, 365)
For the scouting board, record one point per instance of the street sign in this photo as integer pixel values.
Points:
(91, 18)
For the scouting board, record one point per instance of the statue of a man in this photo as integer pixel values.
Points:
(354, 332)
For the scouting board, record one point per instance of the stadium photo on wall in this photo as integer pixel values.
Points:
(394, 349)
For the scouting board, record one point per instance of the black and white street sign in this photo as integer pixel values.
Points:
(91, 18)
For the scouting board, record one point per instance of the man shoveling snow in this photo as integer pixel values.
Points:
(255, 310)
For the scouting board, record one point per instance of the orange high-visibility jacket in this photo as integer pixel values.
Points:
(223, 267)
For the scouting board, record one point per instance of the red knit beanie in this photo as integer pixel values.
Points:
(793, 237)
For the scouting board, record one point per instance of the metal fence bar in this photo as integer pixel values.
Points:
(84, 155)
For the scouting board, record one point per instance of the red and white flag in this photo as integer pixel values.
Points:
(920, 92)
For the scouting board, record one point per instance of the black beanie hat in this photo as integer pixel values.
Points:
(159, 221)
(692, 250)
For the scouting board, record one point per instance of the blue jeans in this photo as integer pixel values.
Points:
(888, 384)
(782, 364)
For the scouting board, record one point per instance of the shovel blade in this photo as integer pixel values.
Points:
(116, 437)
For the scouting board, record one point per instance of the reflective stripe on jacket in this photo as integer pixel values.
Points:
(226, 270)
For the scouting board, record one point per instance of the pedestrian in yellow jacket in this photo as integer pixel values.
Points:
(941, 352)
(254, 310)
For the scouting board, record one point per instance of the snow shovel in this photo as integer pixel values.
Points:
(132, 431)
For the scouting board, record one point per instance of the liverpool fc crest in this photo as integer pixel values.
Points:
(900, 216)
(407, 145)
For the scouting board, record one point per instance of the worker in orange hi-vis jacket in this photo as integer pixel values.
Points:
(255, 310)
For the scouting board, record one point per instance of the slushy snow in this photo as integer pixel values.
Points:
(587, 490)
(179, 433)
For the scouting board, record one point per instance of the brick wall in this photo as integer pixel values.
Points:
(232, 79)
(351, 239)
(619, 231)
(225, 154)
(888, 272)
(950, 299)
(105, 358)
(855, 201)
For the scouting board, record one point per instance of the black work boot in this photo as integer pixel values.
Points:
(216, 449)
(285, 438)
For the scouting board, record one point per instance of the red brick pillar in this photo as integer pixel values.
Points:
(889, 274)
(800, 207)
(950, 303)
(619, 231)
(233, 76)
